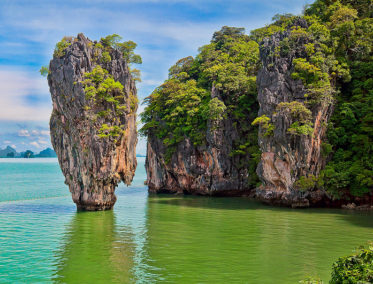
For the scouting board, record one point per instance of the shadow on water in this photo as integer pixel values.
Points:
(94, 250)
(235, 240)
(359, 218)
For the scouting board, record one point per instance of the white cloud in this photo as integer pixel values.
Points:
(23, 133)
(15, 86)
(35, 144)
(162, 38)
(40, 132)
(150, 82)
(42, 142)
(45, 132)
(13, 146)
(7, 142)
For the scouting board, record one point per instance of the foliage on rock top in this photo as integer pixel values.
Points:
(219, 83)
(126, 48)
(59, 50)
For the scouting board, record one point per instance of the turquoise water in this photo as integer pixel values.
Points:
(161, 239)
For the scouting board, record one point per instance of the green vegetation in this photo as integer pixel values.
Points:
(99, 84)
(102, 90)
(350, 131)
(355, 268)
(111, 41)
(215, 110)
(28, 154)
(219, 83)
(106, 57)
(105, 96)
(331, 46)
(301, 115)
(306, 183)
(44, 71)
(264, 122)
(336, 68)
(110, 131)
(127, 48)
(59, 50)
(311, 280)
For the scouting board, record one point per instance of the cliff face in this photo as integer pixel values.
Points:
(314, 91)
(197, 143)
(206, 170)
(94, 136)
(288, 157)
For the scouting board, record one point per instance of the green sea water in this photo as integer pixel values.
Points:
(160, 238)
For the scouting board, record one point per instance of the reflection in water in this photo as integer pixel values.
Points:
(172, 239)
(95, 250)
(230, 240)
(165, 239)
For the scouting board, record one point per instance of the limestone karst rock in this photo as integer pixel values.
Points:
(205, 170)
(93, 123)
(286, 157)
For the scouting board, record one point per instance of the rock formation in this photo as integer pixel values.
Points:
(196, 141)
(288, 157)
(314, 93)
(93, 123)
(203, 170)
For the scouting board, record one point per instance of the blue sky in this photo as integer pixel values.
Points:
(165, 31)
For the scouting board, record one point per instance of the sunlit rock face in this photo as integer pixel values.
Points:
(286, 157)
(94, 141)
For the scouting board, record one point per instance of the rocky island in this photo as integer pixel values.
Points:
(299, 88)
(93, 123)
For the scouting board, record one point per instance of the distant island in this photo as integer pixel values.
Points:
(10, 152)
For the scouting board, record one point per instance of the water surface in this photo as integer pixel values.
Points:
(160, 238)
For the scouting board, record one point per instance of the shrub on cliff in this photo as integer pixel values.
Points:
(101, 90)
(127, 48)
(44, 71)
(59, 50)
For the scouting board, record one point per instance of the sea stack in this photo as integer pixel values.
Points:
(93, 122)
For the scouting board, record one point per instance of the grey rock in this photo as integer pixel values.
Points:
(285, 157)
(92, 166)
